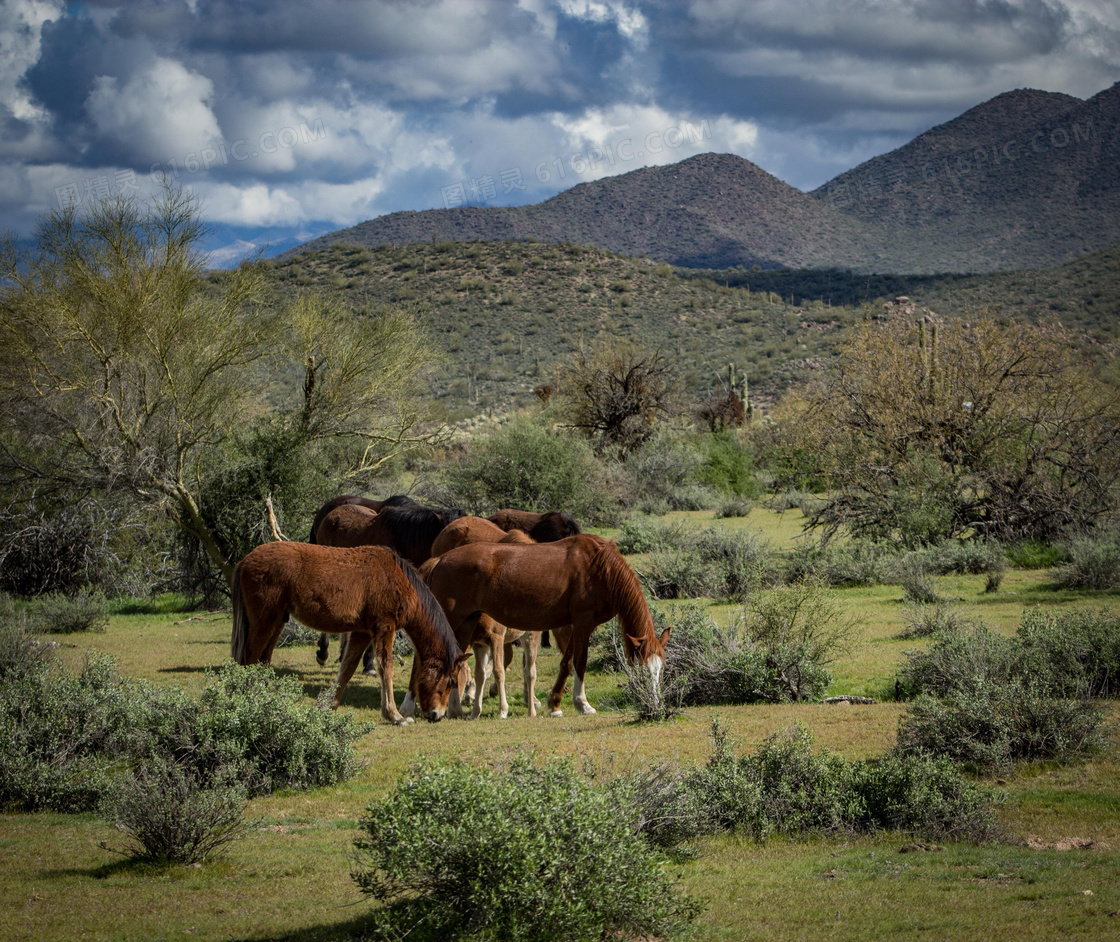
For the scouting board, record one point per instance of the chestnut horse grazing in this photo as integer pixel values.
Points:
(580, 581)
(368, 591)
(492, 643)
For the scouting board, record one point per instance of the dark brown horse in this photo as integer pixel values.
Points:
(581, 581)
(366, 591)
(400, 524)
(322, 652)
(543, 528)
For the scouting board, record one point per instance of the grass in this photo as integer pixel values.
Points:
(290, 878)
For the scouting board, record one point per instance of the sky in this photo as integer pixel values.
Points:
(291, 118)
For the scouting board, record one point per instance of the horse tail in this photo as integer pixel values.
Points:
(625, 593)
(432, 611)
(240, 637)
(517, 536)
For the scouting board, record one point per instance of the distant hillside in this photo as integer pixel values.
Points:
(1029, 178)
(712, 210)
(507, 314)
(1024, 180)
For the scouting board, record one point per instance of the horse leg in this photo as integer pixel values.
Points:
(577, 646)
(530, 643)
(481, 670)
(347, 667)
(507, 659)
(497, 655)
(383, 641)
(368, 667)
(557, 693)
(323, 652)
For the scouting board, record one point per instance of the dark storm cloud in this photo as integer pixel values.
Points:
(341, 110)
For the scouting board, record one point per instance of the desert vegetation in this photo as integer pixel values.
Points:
(891, 599)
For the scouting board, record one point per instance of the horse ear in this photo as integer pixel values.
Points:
(461, 660)
(634, 645)
(664, 638)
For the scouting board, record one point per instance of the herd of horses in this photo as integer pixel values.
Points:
(456, 585)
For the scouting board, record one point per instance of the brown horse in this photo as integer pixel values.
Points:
(581, 581)
(352, 500)
(400, 523)
(367, 591)
(483, 635)
(543, 528)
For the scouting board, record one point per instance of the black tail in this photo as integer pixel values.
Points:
(240, 636)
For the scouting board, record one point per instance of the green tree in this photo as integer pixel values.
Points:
(125, 366)
(927, 428)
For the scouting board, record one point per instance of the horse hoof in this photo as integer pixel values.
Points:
(370, 672)
(587, 711)
(402, 721)
(321, 660)
(556, 713)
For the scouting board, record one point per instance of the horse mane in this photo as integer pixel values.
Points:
(626, 595)
(412, 528)
(517, 536)
(432, 610)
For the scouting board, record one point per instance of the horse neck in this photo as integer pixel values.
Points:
(627, 599)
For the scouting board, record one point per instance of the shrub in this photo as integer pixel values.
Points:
(260, 725)
(663, 476)
(739, 560)
(527, 466)
(776, 651)
(925, 620)
(786, 788)
(977, 656)
(991, 726)
(174, 814)
(643, 534)
(912, 574)
(1074, 653)
(677, 574)
(736, 507)
(728, 465)
(61, 735)
(572, 864)
(860, 562)
(966, 557)
(64, 737)
(1093, 562)
(59, 613)
(990, 700)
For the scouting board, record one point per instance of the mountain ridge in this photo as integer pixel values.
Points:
(1025, 179)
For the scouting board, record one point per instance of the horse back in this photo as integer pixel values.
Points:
(466, 530)
(346, 525)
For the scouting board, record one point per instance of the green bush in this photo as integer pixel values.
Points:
(61, 735)
(992, 726)
(174, 814)
(529, 853)
(664, 475)
(1092, 562)
(678, 574)
(1074, 653)
(728, 465)
(641, 533)
(735, 507)
(961, 660)
(64, 737)
(530, 467)
(859, 562)
(990, 700)
(929, 619)
(786, 788)
(62, 613)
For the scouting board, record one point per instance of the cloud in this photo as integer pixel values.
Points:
(162, 110)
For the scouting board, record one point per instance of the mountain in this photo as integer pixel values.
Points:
(1026, 179)
(711, 210)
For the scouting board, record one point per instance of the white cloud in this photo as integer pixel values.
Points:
(162, 111)
(21, 25)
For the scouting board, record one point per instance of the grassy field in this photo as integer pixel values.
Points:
(62, 876)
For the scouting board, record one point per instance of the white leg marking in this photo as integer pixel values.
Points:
(579, 697)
